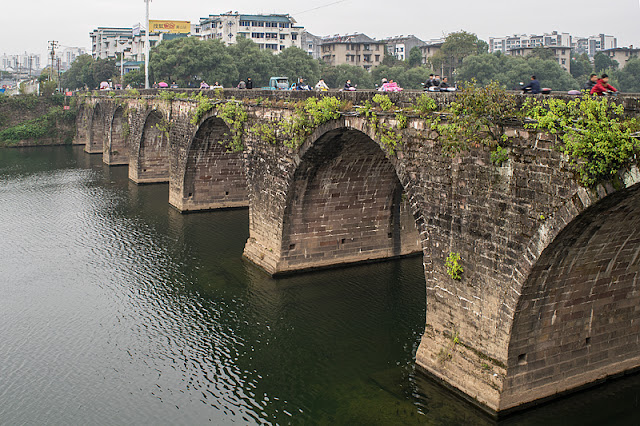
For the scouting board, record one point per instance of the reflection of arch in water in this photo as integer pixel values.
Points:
(209, 177)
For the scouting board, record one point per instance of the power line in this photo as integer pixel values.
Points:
(319, 7)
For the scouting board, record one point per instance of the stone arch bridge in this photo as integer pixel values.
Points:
(549, 300)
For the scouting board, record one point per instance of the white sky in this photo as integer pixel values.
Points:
(27, 25)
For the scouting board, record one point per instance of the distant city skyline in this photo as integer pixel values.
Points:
(71, 21)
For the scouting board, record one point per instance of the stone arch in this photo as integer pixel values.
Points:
(346, 201)
(117, 149)
(97, 131)
(577, 318)
(83, 125)
(153, 149)
(208, 176)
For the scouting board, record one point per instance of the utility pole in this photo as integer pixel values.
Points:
(53, 44)
(58, 61)
(146, 48)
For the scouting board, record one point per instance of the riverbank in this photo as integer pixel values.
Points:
(28, 120)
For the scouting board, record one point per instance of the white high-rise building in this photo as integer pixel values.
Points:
(517, 41)
(271, 32)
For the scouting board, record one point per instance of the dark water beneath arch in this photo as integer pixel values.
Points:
(116, 309)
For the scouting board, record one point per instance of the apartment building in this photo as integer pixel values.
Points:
(353, 49)
(400, 46)
(561, 53)
(553, 39)
(430, 48)
(271, 32)
(22, 62)
(106, 42)
(312, 44)
(69, 54)
(593, 44)
(622, 54)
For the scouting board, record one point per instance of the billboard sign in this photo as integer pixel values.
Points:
(174, 27)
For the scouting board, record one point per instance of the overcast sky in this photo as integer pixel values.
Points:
(27, 25)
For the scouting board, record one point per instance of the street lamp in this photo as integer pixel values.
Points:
(122, 43)
(146, 47)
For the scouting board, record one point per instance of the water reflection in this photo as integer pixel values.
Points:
(117, 309)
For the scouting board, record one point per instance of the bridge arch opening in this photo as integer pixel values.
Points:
(118, 150)
(212, 177)
(153, 157)
(345, 204)
(578, 316)
(97, 133)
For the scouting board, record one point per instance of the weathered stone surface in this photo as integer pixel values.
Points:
(548, 299)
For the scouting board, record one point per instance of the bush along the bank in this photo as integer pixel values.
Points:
(50, 125)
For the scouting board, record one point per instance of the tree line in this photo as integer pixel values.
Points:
(462, 57)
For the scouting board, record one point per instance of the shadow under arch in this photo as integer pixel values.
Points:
(209, 176)
(96, 131)
(117, 150)
(152, 165)
(346, 202)
(577, 319)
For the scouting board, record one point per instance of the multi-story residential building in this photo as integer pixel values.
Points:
(107, 41)
(504, 44)
(430, 48)
(593, 44)
(68, 55)
(271, 32)
(312, 44)
(22, 63)
(622, 54)
(561, 53)
(400, 46)
(353, 49)
(136, 51)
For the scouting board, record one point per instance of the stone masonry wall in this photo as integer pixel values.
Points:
(97, 131)
(117, 149)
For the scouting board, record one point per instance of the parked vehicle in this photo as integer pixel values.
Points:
(278, 83)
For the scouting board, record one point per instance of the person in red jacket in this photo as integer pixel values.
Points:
(602, 86)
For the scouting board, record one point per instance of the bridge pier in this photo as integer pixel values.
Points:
(97, 131)
(116, 150)
(149, 161)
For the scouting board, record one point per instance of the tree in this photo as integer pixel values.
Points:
(79, 74)
(188, 60)
(415, 57)
(294, 62)
(252, 62)
(628, 78)
(542, 53)
(335, 77)
(581, 67)
(406, 78)
(135, 78)
(456, 47)
(602, 62)
(102, 70)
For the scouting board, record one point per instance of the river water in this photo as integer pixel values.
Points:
(116, 309)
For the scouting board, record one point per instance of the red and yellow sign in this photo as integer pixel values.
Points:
(175, 27)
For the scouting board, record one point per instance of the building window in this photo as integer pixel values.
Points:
(283, 36)
(284, 25)
(281, 47)
(271, 35)
(377, 47)
(271, 46)
(257, 24)
(245, 23)
(294, 36)
(377, 58)
(257, 35)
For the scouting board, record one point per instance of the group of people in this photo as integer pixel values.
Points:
(599, 86)
(435, 84)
